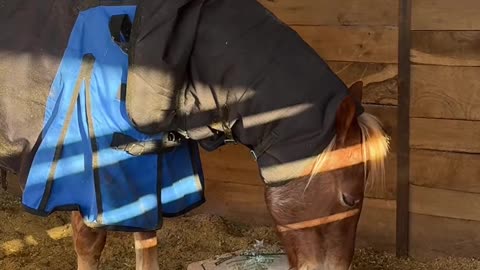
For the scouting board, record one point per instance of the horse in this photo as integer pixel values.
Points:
(201, 69)
(316, 214)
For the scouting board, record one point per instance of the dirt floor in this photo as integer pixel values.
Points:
(28, 242)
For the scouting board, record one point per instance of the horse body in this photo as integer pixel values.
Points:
(205, 69)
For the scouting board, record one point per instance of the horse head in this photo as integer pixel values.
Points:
(317, 214)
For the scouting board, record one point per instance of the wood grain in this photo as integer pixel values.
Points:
(433, 237)
(231, 163)
(339, 12)
(380, 85)
(445, 15)
(444, 203)
(445, 92)
(352, 43)
(446, 135)
(449, 48)
(376, 227)
(445, 170)
(388, 189)
(238, 202)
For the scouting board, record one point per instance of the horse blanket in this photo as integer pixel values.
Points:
(89, 157)
(230, 70)
(215, 71)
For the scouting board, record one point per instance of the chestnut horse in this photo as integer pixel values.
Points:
(316, 215)
(214, 71)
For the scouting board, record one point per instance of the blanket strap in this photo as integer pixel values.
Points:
(226, 126)
(264, 145)
(130, 145)
(221, 129)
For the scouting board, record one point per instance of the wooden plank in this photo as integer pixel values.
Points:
(445, 92)
(433, 237)
(233, 163)
(449, 48)
(444, 203)
(403, 122)
(388, 189)
(245, 203)
(217, 169)
(238, 202)
(352, 43)
(445, 15)
(445, 170)
(376, 227)
(380, 190)
(446, 135)
(379, 80)
(339, 12)
(388, 117)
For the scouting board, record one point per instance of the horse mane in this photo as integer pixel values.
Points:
(374, 150)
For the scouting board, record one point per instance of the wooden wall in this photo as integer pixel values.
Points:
(445, 128)
(358, 39)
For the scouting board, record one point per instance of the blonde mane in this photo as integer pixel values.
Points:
(374, 150)
(376, 145)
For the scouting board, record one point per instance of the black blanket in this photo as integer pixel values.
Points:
(200, 63)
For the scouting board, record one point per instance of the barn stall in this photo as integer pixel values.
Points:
(419, 61)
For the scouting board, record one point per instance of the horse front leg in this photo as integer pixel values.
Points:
(88, 243)
(146, 250)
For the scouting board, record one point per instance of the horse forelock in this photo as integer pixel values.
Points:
(372, 152)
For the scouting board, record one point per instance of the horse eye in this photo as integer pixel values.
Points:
(349, 201)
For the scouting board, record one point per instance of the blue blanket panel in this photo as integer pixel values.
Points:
(111, 188)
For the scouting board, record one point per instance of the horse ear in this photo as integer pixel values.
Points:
(344, 118)
(356, 90)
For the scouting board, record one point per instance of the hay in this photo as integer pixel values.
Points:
(182, 241)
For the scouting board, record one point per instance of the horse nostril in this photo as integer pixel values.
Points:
(349, 200)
